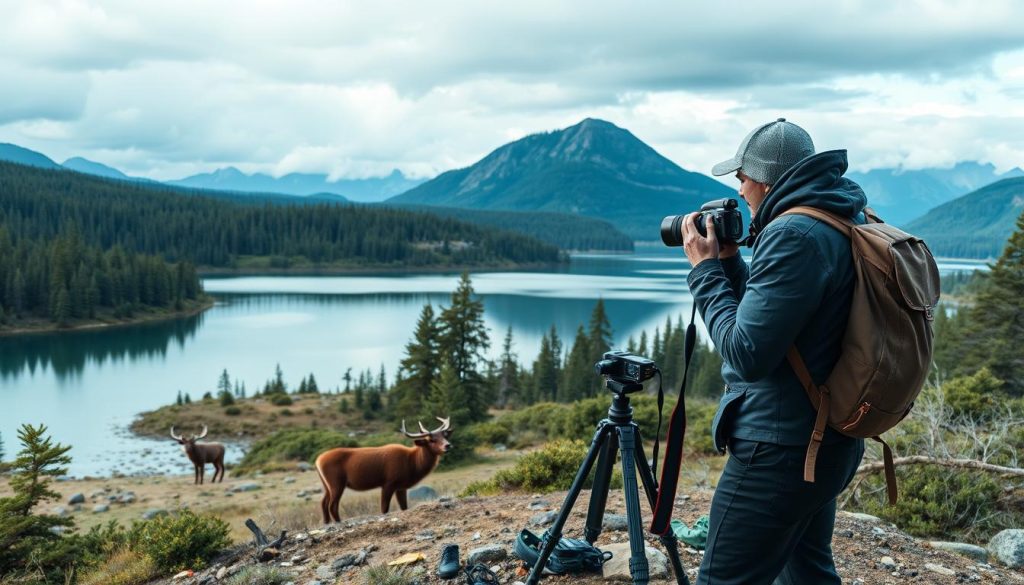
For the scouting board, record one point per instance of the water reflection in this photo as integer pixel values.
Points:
(67, 354)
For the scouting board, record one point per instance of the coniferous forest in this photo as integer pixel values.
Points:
(38, 205)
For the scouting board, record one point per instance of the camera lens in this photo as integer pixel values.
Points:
(671, 230)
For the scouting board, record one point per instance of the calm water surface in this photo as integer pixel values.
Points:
(87, 386)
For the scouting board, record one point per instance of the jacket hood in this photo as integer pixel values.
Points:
(816, 181)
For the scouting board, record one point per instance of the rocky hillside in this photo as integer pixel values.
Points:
(594, 169)
(867, 551)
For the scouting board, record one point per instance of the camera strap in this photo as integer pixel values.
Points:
(660, 524)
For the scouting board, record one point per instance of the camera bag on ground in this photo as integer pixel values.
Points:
(570, 555)
(887, 347)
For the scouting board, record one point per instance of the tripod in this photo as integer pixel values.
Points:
(619, 433)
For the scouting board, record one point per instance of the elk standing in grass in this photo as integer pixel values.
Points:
(392, 468)
(201, 454)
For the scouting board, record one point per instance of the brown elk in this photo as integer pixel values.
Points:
(202, 453)
(392, 468)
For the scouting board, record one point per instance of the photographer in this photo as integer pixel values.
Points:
(767, 524)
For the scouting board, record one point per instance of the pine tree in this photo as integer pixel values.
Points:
(224, 383)
(508, 373)
(188, 399)
(311, 386)
(348, 379)
(302, 387)
(382, 380)
(343, 405)
(641, 348)
(631, 345)
(545, 371)
(995, 331)
(600, 332)
(278, 385)
(179, 401)
(62, 308)
(21, 532)
(578, 377)
(463, 341)
(448, 398)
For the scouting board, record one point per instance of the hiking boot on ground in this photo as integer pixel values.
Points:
(448, 566)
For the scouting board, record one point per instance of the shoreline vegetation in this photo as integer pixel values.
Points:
(263, 267)
(108, 321)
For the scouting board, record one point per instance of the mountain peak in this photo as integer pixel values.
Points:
(21, 155)
(592, 168)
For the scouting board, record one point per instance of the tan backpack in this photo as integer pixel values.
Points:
(887, 347)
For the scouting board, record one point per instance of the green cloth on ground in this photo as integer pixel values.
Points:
(697, 537)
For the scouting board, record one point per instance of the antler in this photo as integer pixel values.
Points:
(445, 424)
(173, 436)
(200, 435)
(414, 435)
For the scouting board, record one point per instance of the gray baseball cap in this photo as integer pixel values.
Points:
(768, 152)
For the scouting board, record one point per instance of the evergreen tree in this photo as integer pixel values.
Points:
(343, 405)
(578, 378)
(278, 385)
(179, 401)
(359, 396)
(188, 399)
(656, 354)
(545, 371)
(641, 348)
(62, 308)
(224, 382)
(419, 366)
(463, 341)
(311, 386)
(508, 374)
(26, 537)
(382, 380)
(302, 387)
(348, 379)
(995, 331)
(600, 332)
(631, 345)
(448, 398)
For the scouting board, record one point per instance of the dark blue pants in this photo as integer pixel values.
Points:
(767, 524)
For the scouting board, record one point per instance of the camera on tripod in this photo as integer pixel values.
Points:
(623, 366)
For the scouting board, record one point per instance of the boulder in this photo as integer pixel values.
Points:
(934, 568)
(862, 517)
(99, 508)
(422, 492)
(543, 519)
(615, 522)
(1008, 547)
(968, 550)
(491, 553)
(153, 513)
(78, 498)
(303, 466)
(617, 568)
(249, 486)
(60, 511)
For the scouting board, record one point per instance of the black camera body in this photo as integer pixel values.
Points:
(725, 214)
(623, 366)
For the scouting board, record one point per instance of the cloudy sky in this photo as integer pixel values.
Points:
(354, 89)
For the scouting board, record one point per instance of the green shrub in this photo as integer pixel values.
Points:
(232, 411)
(226, 399)
(257, 575)
(975, 396)
(938, 502)
(291, 445)
(551, 468)
(281, 399)
(487, 433)
(185, 540)
(287, 412)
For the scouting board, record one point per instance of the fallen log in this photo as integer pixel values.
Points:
(955, 463)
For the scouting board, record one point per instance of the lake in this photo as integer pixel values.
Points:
(87, 386)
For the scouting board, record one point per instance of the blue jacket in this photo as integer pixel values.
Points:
(797, 289)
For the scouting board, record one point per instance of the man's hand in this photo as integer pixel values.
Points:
(697, 247)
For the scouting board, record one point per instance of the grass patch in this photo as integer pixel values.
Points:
(256, 575)
(385, 575)
(122, 567)
(551, 468)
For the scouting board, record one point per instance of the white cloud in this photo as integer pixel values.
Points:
(165, 89)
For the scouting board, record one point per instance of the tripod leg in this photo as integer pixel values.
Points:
(638, 567)
(670, 542)
(599, 492)
(554, 534)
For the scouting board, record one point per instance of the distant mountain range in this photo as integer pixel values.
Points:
(231, 179)
(594, 168)
(363, 190)
(975, 225)
(900, 196)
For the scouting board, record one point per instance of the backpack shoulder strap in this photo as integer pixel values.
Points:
(821, 399)
(841, 224)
